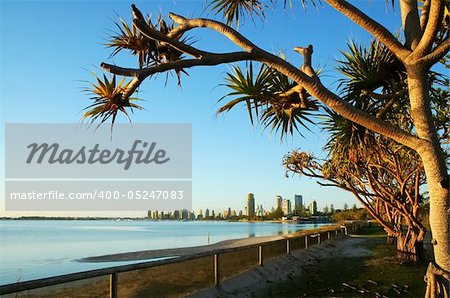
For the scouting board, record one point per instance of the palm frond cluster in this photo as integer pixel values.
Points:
(270, 97)
(108, 95)
(234, 10)
(108, 101)
(148, 51)
(372, 75)
(375, 82)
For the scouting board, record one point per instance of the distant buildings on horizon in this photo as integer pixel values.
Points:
(252, 210)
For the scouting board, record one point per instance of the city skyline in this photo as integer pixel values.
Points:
(288, 206)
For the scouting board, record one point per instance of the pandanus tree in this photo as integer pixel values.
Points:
(426, 42)
(374, 184)
(384, 176)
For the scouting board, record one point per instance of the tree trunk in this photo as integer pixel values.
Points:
(434, 164)
(390, 239)
(410, 248)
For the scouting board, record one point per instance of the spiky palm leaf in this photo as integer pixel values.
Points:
(285, 121)
(129, 38)
(147, 50)
(233, 10)
(369, 69)
(251, 93)
(347, 140)
(108, 101)
(264, 96)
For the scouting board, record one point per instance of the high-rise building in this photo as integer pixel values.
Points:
(260, 211)
(298, 201)
(184, 214)
(312, 208)
(278, 201)
(286, 207)
(250, 205)
(207, 212)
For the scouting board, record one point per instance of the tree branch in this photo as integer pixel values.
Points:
(437, 54)
(410, 22)
(425, 14)
(151, 33)
(371, 26)
(141, 74)
(431, 29)
(223, 29)
(313, 86)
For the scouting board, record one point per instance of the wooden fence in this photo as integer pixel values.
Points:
(174, 276)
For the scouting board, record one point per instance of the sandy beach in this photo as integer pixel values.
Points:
(183, 251)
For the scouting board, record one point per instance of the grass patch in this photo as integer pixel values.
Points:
(374, 276)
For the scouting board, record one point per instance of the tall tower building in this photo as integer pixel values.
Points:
(298, 201)
(286, 207)
(313, 208)
(250, 205)
(278, 200)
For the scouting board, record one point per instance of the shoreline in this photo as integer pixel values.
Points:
(177, 252)
(184, 251)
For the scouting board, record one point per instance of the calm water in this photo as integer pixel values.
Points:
(31, 249)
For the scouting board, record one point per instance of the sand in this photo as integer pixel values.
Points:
(183, 251)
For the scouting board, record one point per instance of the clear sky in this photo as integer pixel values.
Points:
(48, 49)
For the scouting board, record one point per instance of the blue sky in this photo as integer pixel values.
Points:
(48, 48)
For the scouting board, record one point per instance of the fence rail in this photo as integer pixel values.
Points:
(218, 271)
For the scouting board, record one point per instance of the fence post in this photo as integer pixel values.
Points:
(113, 285)
(318, 236)
(306, 241)
(216, 269)
(288, 246)
(336, 232)
(260, 255)
(329, 234)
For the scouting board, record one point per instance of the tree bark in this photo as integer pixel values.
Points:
(434, 163)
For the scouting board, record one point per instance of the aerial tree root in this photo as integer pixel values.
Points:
(438, 282)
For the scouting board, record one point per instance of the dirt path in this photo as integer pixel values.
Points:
(283, 268)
